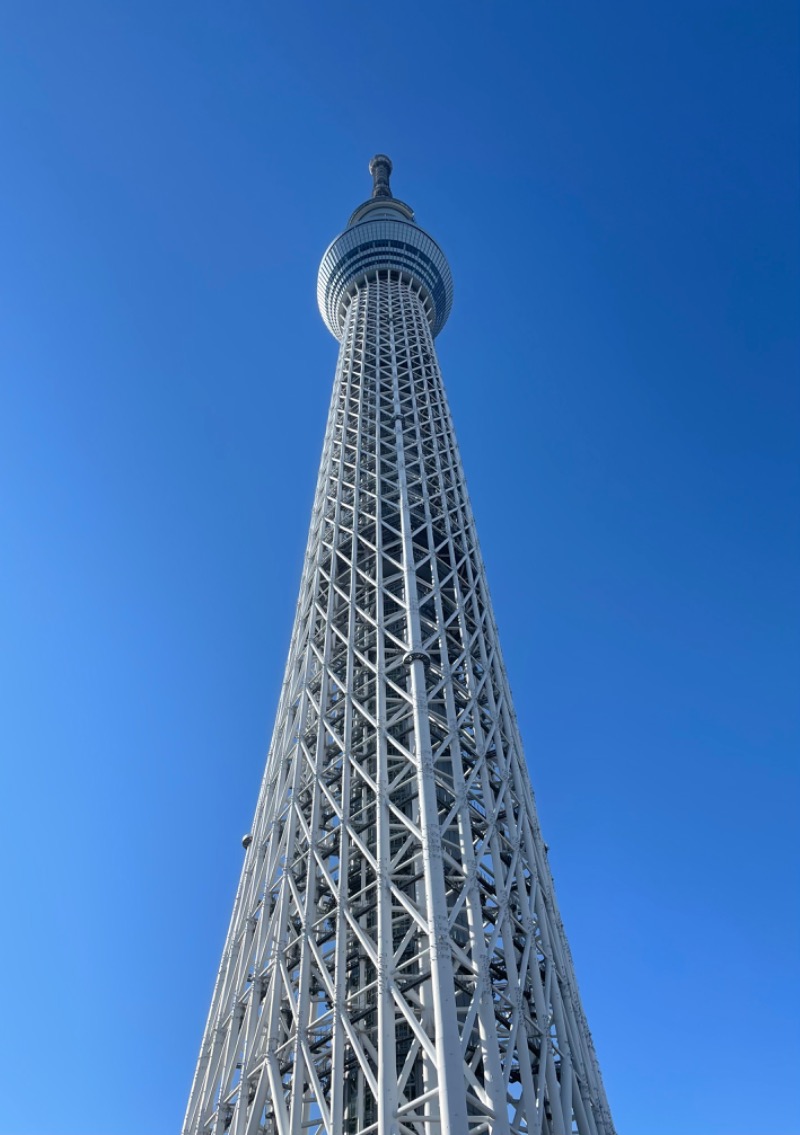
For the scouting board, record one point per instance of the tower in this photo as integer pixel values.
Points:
(396, 963)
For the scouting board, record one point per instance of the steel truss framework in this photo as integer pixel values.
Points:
(396, 962)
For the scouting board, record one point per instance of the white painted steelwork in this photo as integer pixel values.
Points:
(396, 962)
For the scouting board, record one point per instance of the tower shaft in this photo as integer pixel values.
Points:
(396, 963)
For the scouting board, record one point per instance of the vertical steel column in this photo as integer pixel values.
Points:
(452, 1110)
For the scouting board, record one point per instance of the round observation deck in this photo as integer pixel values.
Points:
(382, 236)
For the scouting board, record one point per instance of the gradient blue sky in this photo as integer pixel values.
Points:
(616, 186)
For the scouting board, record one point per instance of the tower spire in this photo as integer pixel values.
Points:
(381, 168)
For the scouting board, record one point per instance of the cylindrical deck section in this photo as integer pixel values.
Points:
(378, 245)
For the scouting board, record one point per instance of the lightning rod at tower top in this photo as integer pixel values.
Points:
(396, 963)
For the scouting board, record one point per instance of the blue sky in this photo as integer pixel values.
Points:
(616, 187)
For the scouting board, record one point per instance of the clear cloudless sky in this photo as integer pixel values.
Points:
(616, 186)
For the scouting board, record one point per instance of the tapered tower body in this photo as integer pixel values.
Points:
(396, 962)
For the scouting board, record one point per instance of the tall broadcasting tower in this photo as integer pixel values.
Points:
(396, 963)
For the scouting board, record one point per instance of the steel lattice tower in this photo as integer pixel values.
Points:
(396, 963)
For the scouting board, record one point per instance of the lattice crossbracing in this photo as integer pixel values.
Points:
(396, 963)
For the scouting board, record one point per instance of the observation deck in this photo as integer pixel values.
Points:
(382, 235)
